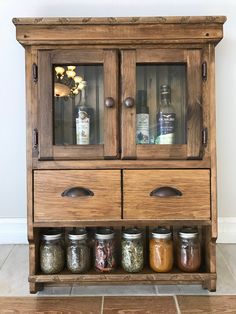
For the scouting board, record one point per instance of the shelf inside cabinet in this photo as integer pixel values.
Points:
(118, 275)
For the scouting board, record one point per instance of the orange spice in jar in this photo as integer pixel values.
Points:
(161, 250)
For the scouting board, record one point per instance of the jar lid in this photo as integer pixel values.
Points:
(132, 233)
(188, 233)
(52, 235)
(104, 234)
(78, 234)
(161, 233)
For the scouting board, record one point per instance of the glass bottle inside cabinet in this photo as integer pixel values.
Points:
(165, 88)
(78, 104)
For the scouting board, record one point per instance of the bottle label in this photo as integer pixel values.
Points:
(82, 128)
(142, 128)
(165, 128)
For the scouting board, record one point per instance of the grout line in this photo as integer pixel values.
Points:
(71, 289)
(177, 304)
(226, 263)
(102, 305)
(156, 290)
(3, 263)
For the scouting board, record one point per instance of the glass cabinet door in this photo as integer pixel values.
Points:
(78, 104)
(161, 110)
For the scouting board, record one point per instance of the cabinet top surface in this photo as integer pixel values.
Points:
(120, 20)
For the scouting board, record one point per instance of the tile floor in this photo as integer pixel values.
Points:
(14, 273)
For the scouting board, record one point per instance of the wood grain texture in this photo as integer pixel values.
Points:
(119, 33)
(111, 84)
(121, 164)
(45, 107)
(119, 276)
(142, 305)
(193, 204)
(128, 115)
(75, 56)
(155, 151)
(78, 152)
(207, 304)
(49, 205)
(212, 138)
(194, 104)
(30, 305)
(120, 20)
(160, 55)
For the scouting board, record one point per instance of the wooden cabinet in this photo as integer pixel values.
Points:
(143, 90)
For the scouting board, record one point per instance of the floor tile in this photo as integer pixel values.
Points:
(5, 249)
(168, 289)
(58, 290)
(192, 289)
(14, 272)
(113, 290)
(229, 252)
(85, 305)
(207, 304)
(226, 283)
(142, 305)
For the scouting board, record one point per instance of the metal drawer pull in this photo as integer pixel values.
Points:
(166, 191)
(77, 191)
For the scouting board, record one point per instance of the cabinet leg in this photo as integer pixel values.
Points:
(35, 287)
(209, 285)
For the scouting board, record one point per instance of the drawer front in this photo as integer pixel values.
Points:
(102, 199)
(154, 194)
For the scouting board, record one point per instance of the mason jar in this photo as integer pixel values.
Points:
(52, 252)
(105, 255)
(161, 250)
(188, 250)
(78, 251)
(132, 254)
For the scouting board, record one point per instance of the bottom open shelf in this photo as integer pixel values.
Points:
(118, 276)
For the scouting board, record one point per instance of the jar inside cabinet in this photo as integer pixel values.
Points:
(188, 250)
(105, 255)
(161, 250)
(132, 250)
(52, 252)
(78, 251)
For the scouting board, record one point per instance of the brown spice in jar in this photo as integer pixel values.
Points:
(189, 253)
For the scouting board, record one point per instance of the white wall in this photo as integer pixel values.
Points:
(12, 88)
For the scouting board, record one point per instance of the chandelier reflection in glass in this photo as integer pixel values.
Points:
(67, 83)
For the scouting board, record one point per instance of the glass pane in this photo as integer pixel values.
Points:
(78, 104)
(161, 104)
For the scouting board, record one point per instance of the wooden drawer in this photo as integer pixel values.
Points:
(50, 205)
(194, 203)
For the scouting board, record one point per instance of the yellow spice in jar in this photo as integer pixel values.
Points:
(161, 255)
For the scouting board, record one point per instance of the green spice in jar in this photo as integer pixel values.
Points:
(78, 251)
(52, 253)
(132, 258)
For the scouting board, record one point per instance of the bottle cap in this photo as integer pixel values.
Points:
(161, 233)
(104, 234)
(78, 234)
(52, 235)
(132, 233)
(165, 89)
(188, 233)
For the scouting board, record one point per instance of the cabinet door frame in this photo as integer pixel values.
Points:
(194, 116)
(46, 59)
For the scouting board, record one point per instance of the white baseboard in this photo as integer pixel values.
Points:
(227, 230)
(14, 230)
